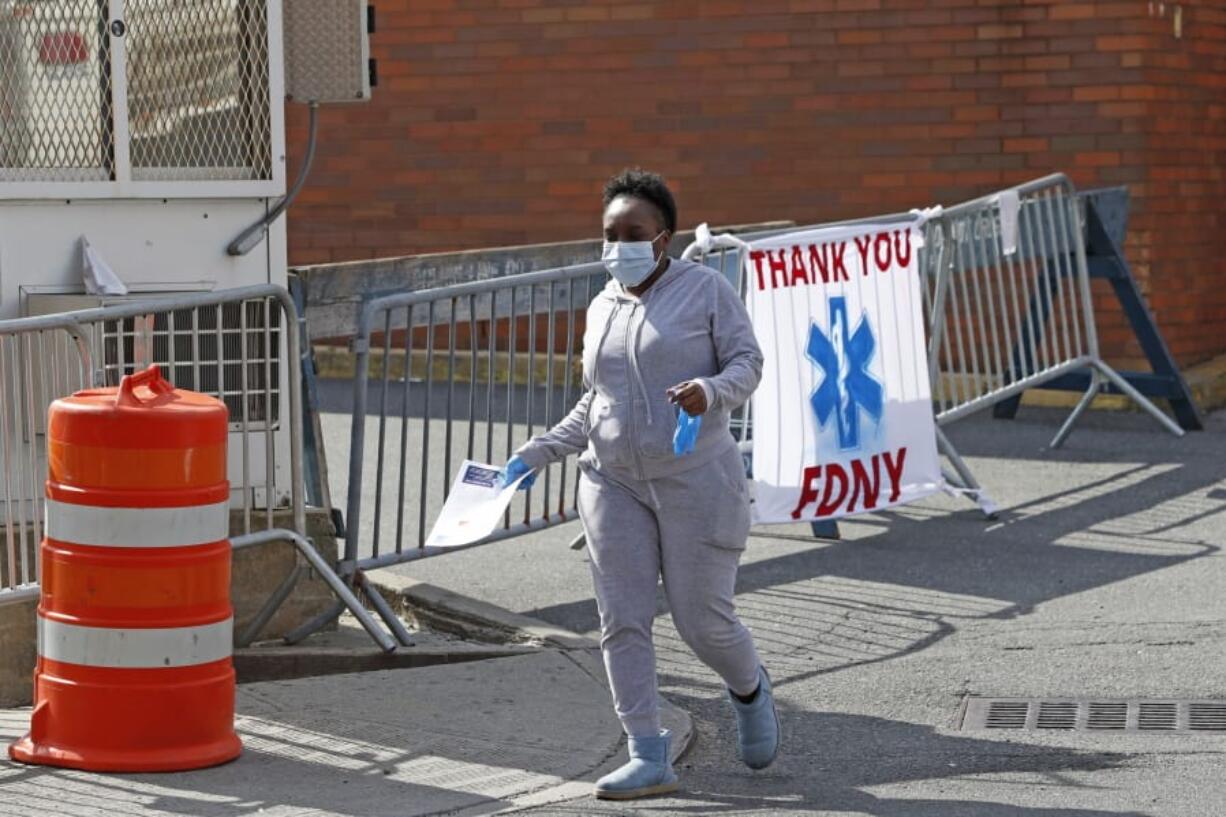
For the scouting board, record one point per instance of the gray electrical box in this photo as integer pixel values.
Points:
(327, 50)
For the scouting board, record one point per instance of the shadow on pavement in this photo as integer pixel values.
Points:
(389, 743)
(906, 586)
(263, 779)
(873, 752)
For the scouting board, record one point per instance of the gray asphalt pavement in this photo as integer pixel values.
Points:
(1101, 578)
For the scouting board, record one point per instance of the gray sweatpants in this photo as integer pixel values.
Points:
(690, 529)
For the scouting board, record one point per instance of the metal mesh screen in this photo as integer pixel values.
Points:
(236, 357)
(55, 91)
(197, 74)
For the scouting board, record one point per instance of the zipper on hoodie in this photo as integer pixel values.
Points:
(632, 370)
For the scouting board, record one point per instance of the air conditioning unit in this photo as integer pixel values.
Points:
(197, 349)
(229, 351)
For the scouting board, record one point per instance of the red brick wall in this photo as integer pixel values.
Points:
(497, 121)
(1179, 234)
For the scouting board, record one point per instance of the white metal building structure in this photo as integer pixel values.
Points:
(155, 129)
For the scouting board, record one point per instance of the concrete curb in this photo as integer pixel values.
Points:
(281, 663)
(448, 612)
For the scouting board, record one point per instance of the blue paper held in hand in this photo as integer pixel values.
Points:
(686, 434)
(513, 470)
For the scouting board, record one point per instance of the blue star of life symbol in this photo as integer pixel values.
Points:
(847, 388)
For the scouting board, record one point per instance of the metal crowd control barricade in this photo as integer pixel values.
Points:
(1105, 220)
(1007, 305)
(237, 345)
(469, 371)
(1011, 304)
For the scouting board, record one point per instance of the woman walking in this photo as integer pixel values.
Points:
(664, 335)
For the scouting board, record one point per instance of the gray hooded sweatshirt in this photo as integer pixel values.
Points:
(689, 325)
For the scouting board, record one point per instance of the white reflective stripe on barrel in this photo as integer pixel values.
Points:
(137, 527)
(137, 648)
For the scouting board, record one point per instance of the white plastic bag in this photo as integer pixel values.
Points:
(98, 276)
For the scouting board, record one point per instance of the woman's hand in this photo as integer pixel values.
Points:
(513, 470)
(689, 396)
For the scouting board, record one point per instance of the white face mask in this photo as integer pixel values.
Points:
(630, 262)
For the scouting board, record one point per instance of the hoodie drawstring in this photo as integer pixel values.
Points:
(655, 499)
(632, 358)
(632, 355)
(604, 334)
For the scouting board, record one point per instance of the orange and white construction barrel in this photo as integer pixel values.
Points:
(135, 626)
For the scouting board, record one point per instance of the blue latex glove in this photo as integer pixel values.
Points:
(513, 470)
(686, 434)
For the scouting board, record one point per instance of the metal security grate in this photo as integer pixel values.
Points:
(1007, 715)
(197, 73)
(1182, 716)
(174, 91)
(1207, 717)
(1107, 715)
(197, 353)
(1057, 715)
(1157, 716)
(55, 92)
(233, 345)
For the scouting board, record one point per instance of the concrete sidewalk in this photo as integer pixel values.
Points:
(473, 738)
(1102, 579)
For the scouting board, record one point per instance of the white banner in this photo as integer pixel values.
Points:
(842, 421)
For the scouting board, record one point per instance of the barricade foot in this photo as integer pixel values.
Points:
(1141, 400)
(964, 481)
(976, 494)
(825, 529)
(385, 611)
(270, 608)
(1096, 386)
(347, 600)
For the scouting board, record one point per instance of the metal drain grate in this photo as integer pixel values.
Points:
(1006, 715)
(1158, 716)
(1057, 715)
(1153, 716)
(1105, 715)
(1207, 717)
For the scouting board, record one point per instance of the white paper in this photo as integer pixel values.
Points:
(97, 274)
(474, 507)
(1009, 204)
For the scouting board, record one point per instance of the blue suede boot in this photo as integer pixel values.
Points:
(648, 772)
(757, 725)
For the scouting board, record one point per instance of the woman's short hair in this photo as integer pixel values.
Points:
(645, 185)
